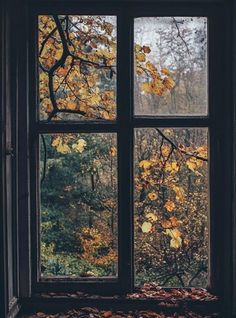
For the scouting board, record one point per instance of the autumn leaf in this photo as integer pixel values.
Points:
(166, 224)
(168, 82)
(146, 49)
(174, 221)
(174, 166)
(165, 71)
(63, 148)
(79, 145)
(152, 196)
(176, 242)
(169, 205)
(173, 233)
(179, 193)
(165, 150)
(145, 164)
(191, 164)
(71, 105)
(152, 216)
(113, 151)
(141, 57)
(146, 227)
(56, 141)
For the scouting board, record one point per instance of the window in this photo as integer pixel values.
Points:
(123, 147)
(122, 158)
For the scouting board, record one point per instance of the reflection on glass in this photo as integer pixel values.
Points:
(170, 66)
(78, 208)
(77, 67)
(171, 206)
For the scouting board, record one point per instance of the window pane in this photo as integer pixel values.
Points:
(77, 67)
(170, 66)
(171, 206)
(78, 176)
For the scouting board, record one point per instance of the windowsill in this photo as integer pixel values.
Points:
(169, 300)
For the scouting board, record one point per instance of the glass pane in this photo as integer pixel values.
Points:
(77, 67)
(170, 66)
(171, 206)
(78, 177)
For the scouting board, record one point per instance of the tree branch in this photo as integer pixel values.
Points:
(177, 148)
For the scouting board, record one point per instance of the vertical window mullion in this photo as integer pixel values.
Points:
(125, 151)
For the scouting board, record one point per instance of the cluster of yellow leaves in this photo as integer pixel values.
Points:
(157, 82)
(62, 145)
(79, 83)
(176, 240)
(171, 222)
(193, 163)
(145, 164)
(92, 240)
(79, 146)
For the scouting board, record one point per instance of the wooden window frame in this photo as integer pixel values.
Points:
(220, 123)
(124, 126)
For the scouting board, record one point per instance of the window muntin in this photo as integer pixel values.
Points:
(81, 49)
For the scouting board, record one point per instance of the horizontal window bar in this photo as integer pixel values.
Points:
(76, 127)
(171, 122)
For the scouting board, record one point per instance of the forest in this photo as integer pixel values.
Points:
(77, 70)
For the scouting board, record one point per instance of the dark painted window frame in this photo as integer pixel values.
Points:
(15, 105)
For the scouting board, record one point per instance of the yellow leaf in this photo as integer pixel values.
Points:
(152, 196)
(105, 115)
(141, 57)
(179, 193)
(63, 148)
(138, 47)
(168, 82)
(146, 87)
(173, 233)
(146, 227)
(152, 69)
(58, 54)
(145, 164)
(151, 216)
(165, 71)
(174, 166)
(165, 150)
(169, 205)
(113, 151)
(79, 146)
(176, 242)
(56, 141)
(71, 105)
(95, 99)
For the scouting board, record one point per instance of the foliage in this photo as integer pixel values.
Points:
(77, 68)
